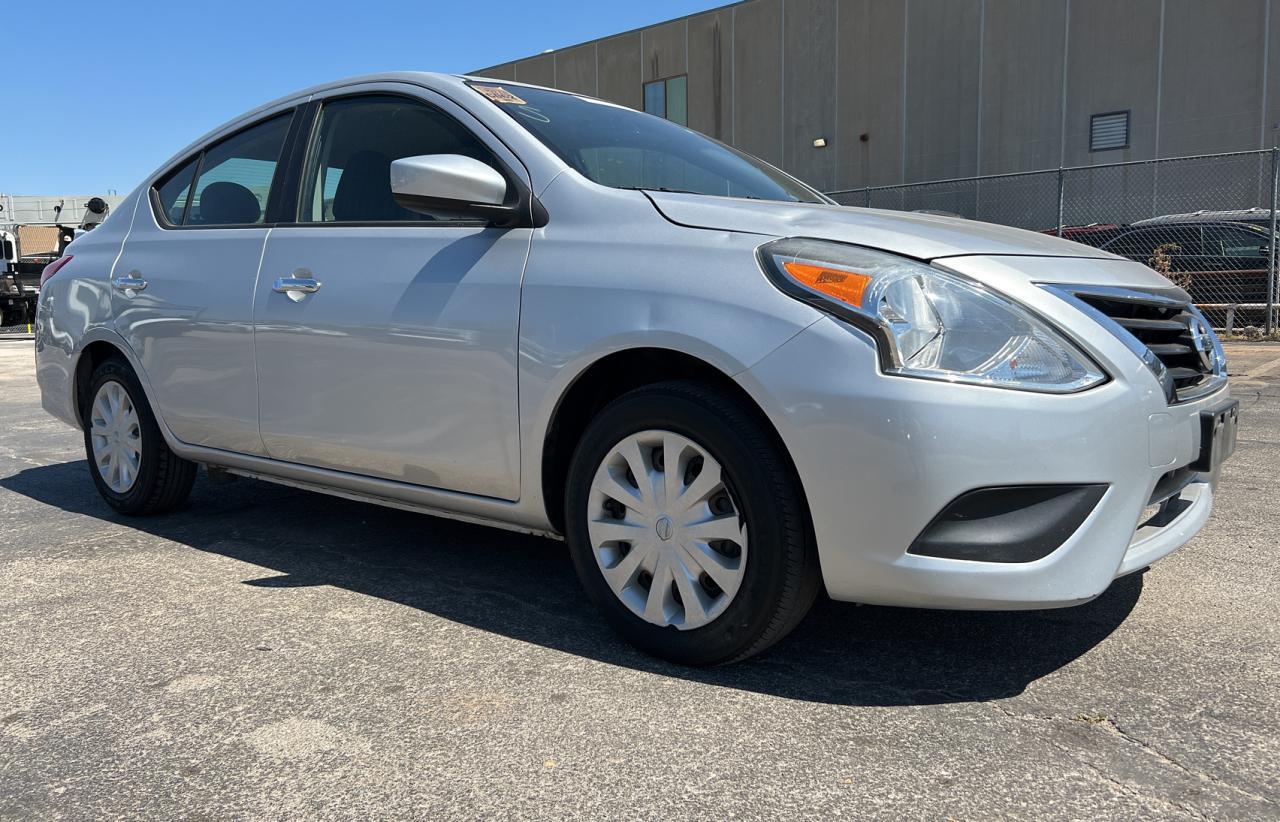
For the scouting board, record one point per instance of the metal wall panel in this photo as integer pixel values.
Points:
(943, 45)
(711, 73)
(811, 80)
(663, 49)
(1212, 80)
(506, 71)
(1112, 56)
(1271, 123)
(1021, 123)
(948, 88)
(870, 92)
(576, 69)
(537, 71)
(620, 70)
(757, 59)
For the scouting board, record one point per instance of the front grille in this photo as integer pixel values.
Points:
(1165, 329)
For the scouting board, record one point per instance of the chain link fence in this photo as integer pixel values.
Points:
(1208, 223)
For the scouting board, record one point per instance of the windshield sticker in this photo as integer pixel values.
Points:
(498, 94)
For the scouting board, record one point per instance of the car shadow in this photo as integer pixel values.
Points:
(524, 587)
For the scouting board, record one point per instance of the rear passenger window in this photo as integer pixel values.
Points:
(175, 191)
(1176, 242)
(1221, 241)
(356, 140)
(235, 176)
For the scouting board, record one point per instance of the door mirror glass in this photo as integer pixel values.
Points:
(450, 183)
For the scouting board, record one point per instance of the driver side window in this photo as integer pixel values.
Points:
(348, 177)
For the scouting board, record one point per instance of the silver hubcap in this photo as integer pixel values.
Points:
(667, 534)
(116, 436)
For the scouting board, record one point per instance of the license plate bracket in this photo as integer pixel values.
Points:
(1218, 429)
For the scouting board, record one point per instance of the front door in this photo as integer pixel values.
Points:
(183, 288)
(386, 340)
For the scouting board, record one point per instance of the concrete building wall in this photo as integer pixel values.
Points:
(576, 69)
(1271, 125)
(664, 50)
(618, 65)
(871, 77)
(710, 38)
(943, 51)
(917, 90)
(1021, 121)
(1213, 75)
(537, 71)
(757, 88)
(810, 83)
(1113, 64)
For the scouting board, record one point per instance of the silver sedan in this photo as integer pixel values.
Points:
(549, 313)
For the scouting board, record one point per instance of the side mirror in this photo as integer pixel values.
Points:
(452, 184)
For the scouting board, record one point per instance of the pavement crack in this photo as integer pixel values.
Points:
(1134, 791)
(1109, 725)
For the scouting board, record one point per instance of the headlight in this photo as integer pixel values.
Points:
(929, 323)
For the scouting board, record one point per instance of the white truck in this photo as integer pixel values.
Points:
(20, 273)
(13, 297)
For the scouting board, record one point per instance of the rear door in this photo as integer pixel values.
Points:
(401, 362)
(183, 289)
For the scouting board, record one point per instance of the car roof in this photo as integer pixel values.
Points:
(1195, 224)
(435, 81)
(430, 79)
(1231, 215)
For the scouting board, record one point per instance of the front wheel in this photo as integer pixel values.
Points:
(131, 464)
(687, 526)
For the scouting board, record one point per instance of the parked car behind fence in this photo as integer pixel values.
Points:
(1223, 265)
(1098, 204)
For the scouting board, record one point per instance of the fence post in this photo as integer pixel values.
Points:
(867, 195)
(1272, 273)
(1061, 198)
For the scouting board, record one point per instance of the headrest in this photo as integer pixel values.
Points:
(364, 190)
(224, 203)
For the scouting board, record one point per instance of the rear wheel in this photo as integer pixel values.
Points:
(132, 467)
(687, 527)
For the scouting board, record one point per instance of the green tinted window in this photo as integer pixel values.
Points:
(655, 98)
(678, 100)
(174, 192)
(236, 174)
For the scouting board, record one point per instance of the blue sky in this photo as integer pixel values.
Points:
(96, 95)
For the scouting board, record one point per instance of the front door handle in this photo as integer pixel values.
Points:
(129, 283)
(297, 285)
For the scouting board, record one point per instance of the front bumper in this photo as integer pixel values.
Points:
(880, 456)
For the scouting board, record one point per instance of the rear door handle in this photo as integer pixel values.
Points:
(297, 285)
(129, 282)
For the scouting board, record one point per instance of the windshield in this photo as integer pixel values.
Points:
(621, 148)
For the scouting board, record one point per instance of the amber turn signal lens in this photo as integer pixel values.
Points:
(845, 286)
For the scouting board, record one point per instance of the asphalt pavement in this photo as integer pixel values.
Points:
(273, 653)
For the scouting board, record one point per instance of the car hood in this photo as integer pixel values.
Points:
(922, 236)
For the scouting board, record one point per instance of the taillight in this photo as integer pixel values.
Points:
(52, 268)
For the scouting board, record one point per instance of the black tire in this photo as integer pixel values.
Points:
(781, 578)
(164, 479)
